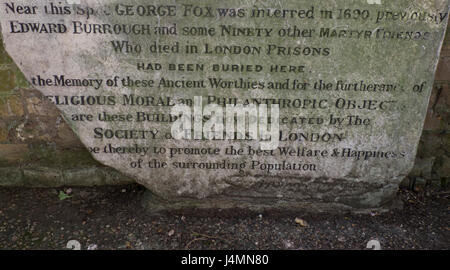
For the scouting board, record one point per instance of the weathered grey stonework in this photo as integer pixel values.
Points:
(353, 82)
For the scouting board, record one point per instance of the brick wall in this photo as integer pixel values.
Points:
(37, 148)
(433, 157)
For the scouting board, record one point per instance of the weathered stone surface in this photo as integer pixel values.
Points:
(11, 177)
(357, 164)
(41, 177)
(3, 133)
(12, 152)
(11, 107)
(93, 176)
(7, 79)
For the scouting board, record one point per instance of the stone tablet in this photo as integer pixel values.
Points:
(315, 105)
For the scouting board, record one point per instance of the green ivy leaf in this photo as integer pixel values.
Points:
(62, 196)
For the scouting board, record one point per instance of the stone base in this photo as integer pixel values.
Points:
(45, 177)
(156, 205)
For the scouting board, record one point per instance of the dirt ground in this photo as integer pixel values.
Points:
(113, 218)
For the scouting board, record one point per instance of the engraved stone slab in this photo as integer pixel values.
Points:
(350, 79)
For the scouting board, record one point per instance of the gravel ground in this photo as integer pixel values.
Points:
(113, 218)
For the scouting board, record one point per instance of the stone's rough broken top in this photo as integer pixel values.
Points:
(351, 82)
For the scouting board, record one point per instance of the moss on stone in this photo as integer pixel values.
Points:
(11, 177)
(4, 57)
(68, 158)
(21, 81)
(7, 80)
